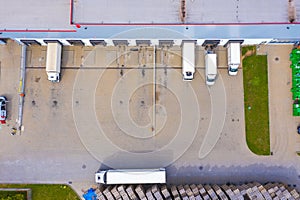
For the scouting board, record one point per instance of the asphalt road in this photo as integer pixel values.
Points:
(103, 114)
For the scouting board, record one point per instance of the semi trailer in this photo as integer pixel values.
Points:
(210, 68)
(131, 176)
(53, 61)
(188, 60)
(233, 57)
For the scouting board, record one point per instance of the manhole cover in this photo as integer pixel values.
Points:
(54, 103)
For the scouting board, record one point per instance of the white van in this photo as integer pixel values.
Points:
(188, 60)
(131, 176)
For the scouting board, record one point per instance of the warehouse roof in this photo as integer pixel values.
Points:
(61, 14)
(181, 11)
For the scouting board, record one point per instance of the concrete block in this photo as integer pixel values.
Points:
(188, 191)
(194, 189)
(174, 192)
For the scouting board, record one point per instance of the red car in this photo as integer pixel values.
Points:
(3, 116)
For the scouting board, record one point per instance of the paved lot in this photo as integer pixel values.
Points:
(9, 78)
(104, 114)
(283, 125)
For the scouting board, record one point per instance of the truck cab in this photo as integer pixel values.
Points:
(233, 70)
(100, 177)
(53, 77)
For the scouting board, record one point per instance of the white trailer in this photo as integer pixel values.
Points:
(131, 176)
(53, 61)
(210, 68)
(233, 57)
(188, 60)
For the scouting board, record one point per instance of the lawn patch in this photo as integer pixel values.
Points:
(13, 195)
(255, 74)
(46, 191)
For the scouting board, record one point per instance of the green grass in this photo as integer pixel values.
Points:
(245, 49)
(255, 73)
(46, 191)
(11, 195)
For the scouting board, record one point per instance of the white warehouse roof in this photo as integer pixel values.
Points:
(61, 14)
(170, 11)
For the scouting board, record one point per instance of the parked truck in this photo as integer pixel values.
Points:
(53, 61)
(188, 60)
(233, 57)
(210, 67)
(131, 176)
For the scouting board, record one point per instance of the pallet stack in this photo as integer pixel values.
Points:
(199, 192)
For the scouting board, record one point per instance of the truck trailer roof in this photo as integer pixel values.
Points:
(211, 62)
(235, 54)
(53, 60)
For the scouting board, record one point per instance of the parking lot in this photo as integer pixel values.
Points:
(127, 107)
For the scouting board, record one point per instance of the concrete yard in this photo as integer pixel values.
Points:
(124, 107)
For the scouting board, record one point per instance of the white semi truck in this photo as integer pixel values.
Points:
(188, 60)
(53, 61)
(131, 176)
(210, 68)
(233, 57)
